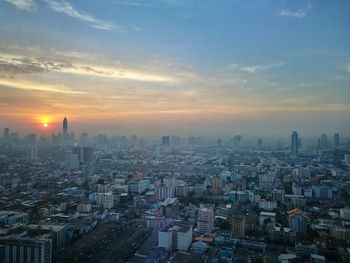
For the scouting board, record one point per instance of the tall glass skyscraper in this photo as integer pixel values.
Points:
(65, 127)
(295, 144)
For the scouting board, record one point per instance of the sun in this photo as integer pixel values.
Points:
(44, 121)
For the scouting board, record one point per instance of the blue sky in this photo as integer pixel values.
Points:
(176, 65)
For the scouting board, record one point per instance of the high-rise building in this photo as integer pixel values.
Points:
(170, 207)
(25, 249)
(84, 138)
(166, 140)
(324, 141)
(65, 127)
(71, 161)
(259, 142)
(85, 154)
(32, 153)
(177, 237)
(295, 144)
(165, 191)
(88, 170)
(336, 140)
(238, 226)
(6, 133)
(298, 222)
(138, 187)
(205, 221)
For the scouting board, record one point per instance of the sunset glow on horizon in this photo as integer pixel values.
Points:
(274, 69)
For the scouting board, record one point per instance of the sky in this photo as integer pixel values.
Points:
(155, 67)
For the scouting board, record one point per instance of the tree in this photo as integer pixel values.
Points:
(225, 225)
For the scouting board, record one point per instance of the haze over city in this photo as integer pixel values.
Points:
(178, 67)
(174, 131)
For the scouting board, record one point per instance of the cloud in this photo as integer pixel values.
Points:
(116, 73)
(12, 66)
(297, 14)
(64, 7)
(255, 68)
(27, 85)
(26, 5)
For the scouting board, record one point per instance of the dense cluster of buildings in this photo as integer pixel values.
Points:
(119, 199)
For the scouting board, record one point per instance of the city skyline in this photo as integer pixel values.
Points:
(208, 68)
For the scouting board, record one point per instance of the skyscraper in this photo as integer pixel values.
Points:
(295, 144)
(298, 221)
(259, 142)
(6, 133)
(32, 153)
(324, 141)
(166, 140)
(65, 127)
(336, 140)
(205, 221)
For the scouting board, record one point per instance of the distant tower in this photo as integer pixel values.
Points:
(259, 142)
(336, 140)
(65, 127)
(166, 140)
(6, 133)
(295, 144)
(32, 153)
(324, 141)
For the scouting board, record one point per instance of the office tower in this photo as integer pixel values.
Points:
(170, 207)
(76, 149)
(6, 133)
(324, 141)
(138, 187)
(32, 153)
(238, 226)
(165, 191)
(177, 237)
(88, 170)
(336, 140)
(71, 161)
(166, 140)
(25, 249)
(205, 221)
(295, 144)
(65, 127)
(85, 154)
(84, 138)
(322, 191)
(175, 140)
(237, 140)
(259, 143)
(298, 222)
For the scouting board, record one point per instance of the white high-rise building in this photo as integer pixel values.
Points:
(106, 200)
(177, 237)
(71, 161)
(163, 192)
(205, 220)
(32, 153)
